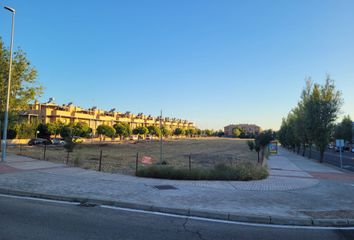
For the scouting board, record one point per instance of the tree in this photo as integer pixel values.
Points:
(325, 102)
(251, 145)
(106, 131)
(11, 133)
(55, 128)
(208, 132)
(261, 143)
(123, 130)
(44, 131)
(66, 131)
(81, 129)
(178, 131)
(24, 87)
(236, 132)
(309, 118)
(190, 132)
(153, 130)
(26, 129)
(344, 130)
(198, 132)
(141, 131)
(220, 133)
(165, 131)
(300, 128)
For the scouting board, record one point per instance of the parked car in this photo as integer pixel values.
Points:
(346, 148)
(58, 141)
(77, 139)
(133, 137)
(149, 137)
(39, 141)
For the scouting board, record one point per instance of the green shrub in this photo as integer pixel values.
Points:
(11, 133)
(241, 172)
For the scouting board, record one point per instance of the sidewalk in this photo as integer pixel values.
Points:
(298, 191)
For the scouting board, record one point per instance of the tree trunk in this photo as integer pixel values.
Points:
(321, 155)
(263, 159)
(303, 150)
(310, 149)
(298, 149)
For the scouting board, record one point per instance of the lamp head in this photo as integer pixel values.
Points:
(10, 9)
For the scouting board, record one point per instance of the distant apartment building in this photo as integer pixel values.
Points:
(50, 112)
(248, 129)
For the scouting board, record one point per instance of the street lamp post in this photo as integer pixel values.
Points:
(161, 151)
(6, 119)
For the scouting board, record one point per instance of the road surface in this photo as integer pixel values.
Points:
(332, 157)
(25, 218)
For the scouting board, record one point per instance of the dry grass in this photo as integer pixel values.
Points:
(121, 157)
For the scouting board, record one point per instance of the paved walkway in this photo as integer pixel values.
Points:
(298, 191)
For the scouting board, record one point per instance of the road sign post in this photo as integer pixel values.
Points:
(340, 145)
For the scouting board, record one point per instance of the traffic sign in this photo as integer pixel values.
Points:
(340, 142)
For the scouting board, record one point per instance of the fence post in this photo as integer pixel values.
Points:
(44, 151)
(136, 162)
(190, 161)
(100, 162)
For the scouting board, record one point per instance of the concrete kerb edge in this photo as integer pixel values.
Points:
(247, 218)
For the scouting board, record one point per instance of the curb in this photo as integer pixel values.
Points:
(246, 218)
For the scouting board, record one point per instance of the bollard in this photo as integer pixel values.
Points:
(136, 163)
(100, 162)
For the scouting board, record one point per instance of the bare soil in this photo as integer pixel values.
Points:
(121, 156)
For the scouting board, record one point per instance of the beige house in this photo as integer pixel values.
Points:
(248, 129)
(50, 112)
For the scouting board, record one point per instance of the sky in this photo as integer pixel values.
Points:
(213, 62)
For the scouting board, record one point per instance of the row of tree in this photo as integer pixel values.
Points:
(312, 121)
(121, 130)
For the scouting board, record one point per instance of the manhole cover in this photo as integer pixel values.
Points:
(165, 187)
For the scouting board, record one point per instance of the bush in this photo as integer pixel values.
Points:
(69, 145)
(43, 131)
(11, 134)
(241, 172)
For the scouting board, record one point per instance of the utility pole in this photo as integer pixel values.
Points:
(161, 154)
(6, 120)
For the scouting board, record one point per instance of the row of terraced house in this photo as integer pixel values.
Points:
(50, 112)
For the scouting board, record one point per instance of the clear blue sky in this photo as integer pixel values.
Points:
(212, 62)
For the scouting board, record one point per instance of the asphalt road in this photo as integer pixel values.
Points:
(332, 157)
(36, 219)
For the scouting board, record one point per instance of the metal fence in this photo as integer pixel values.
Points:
(116, 158)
